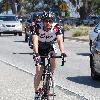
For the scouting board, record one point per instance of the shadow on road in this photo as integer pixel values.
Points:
(84, 54)
(6, 35)
(86, 80)
(20, 41)
(23, 53)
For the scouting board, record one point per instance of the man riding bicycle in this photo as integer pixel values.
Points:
(43, 37)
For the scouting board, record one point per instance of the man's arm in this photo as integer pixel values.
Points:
(59, 35)
(60, 43)
(35, 43)
(35, 33)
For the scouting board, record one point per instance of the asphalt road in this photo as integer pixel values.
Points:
(72, 81)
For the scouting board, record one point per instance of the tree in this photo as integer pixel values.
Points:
(4, 6)
(89, 7)
(95, 6)
(73, 2)
(1, 10)
(12, 5)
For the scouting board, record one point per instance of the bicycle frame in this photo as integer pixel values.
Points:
(47, 75)
(47, 78)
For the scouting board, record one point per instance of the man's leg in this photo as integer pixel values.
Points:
(53, 64)
(37, 78)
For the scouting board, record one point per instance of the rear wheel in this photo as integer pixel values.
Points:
(0, 34)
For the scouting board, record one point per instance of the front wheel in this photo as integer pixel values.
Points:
(48, 88)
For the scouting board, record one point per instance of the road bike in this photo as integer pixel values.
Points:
(47, 91)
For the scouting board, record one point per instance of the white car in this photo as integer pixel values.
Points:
(94, 33)
(9, 24)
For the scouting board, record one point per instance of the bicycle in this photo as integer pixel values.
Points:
(47, 78)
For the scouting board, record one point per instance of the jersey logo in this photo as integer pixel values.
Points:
(48, 37)
(42, 35)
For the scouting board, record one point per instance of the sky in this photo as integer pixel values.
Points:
(72, 10)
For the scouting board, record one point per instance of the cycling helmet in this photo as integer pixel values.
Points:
(37, 16)
(47, 15)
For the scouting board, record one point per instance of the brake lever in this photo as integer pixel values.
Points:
(63, 61)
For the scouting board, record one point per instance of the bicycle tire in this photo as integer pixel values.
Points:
(51, 88)
(45, 86)
(48, 87)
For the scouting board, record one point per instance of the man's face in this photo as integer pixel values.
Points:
(48, 23)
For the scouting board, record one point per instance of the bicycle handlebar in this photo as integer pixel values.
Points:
(63, 58)
(51, 56)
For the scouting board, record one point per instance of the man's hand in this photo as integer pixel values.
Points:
(36, 57)
(63, 55)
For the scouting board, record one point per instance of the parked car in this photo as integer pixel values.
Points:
(95, 58)
(91, 20)
(9, 24)
(93, 34)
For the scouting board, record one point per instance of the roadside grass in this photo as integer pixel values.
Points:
(78, 31)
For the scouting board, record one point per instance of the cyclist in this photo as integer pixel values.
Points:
(43, 37)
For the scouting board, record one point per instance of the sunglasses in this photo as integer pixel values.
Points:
(48, 20)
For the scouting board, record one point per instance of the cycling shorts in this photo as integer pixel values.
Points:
(45, 52)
